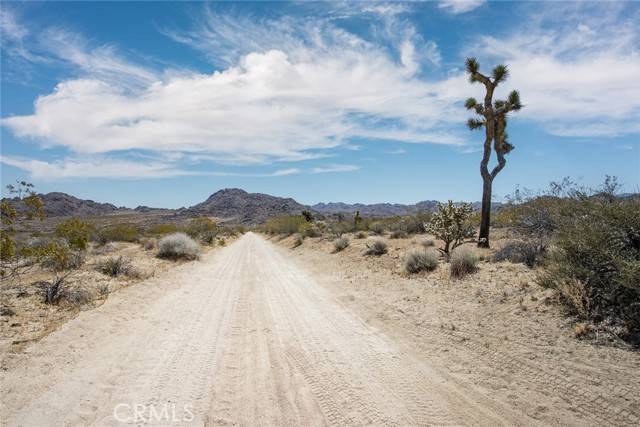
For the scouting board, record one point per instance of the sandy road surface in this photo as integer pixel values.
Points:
(242, 337)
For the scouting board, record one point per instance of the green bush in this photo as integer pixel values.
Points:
(462, 262)
(119, 233)
(203, 229)
(286, 224)
(596, 261)
(162, 229)
(417, 261)
(308, 229)
(76, 232)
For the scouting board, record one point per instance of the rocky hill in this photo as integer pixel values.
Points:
(62, 204)
(236, 205)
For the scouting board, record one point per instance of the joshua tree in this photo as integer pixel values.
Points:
(357, 219)
(494, 121)
(307, 215)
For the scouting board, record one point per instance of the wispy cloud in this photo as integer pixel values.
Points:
(335, 168)
(460, 6)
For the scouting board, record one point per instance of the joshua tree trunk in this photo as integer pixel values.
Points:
(485, 213)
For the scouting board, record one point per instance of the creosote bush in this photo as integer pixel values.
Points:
(308, 229)
(162, 229)
(595, 262)
(286, 224)
(376, 246)
(462, 262)
(420, 260)
(76, 232)
(203, 229)
(178, 246)
(340, 243)
(119, 233)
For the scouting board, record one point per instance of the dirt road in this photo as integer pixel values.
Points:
(243, 337)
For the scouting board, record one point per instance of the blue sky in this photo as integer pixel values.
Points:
(163, 103)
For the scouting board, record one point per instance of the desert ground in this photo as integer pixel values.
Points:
(260, 333)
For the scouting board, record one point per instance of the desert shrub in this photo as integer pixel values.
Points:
(340, 243)
(15, 260)
(58, 290)
(148, 243)
(76, 232)
(118, 233)
(377, 228)
(418, 260)
(162, 229)
(398, 234)
(58, 257)
(595, 264)
(178, 245)
(297, 241)
(463, 261)
(106, 248)
(117, 266)
(518, 252)
(361, 235)
(222, 241)
(286, 224)
(338, 228)
(308, 229)
(203, 229)
(427, 243)
(451, 224)
(376, 246)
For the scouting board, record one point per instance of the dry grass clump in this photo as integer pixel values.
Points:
(428, 243)
(178, 246)
(117, 266)
(340, 243)
(361, 235)
(376, 246)
(463, 261)
(377, 228)
(518, 252)
(297, 241)
(398, 234)
(148, 243)
(417, 261)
